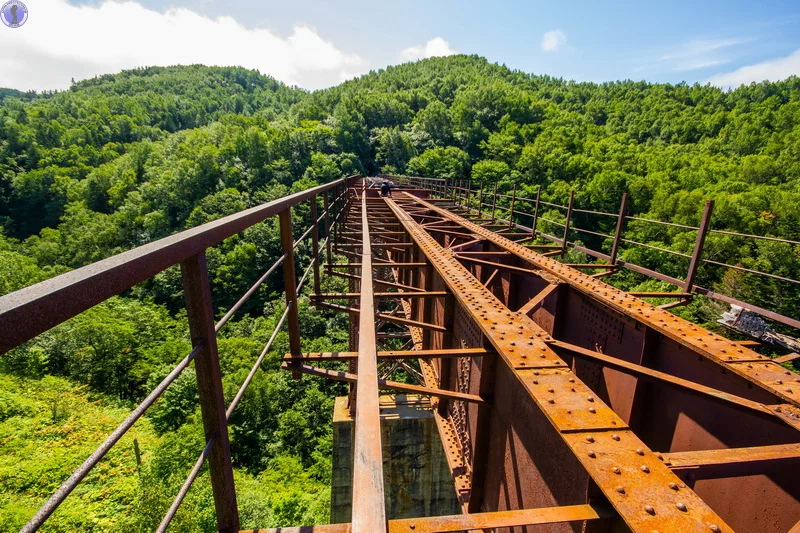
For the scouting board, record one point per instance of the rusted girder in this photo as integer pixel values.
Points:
(398, 294)
(634, 480)
(378, 282)
(369, 511)
(537, 300)
(382, 316)
(786, 358)
(338, 375)
(719, 462)
(352, 266)
(477, 521)
(392, 354)
(669, 380)
(729, 354)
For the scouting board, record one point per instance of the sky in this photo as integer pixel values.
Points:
(319, 43)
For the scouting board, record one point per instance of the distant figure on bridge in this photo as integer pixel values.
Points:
(386, 189)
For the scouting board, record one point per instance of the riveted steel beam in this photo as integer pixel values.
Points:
(392, 354)
(729, 354)
(337, 375)
(477, 521)
(723, 462)
(631, 477)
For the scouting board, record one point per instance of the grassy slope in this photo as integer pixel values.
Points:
(47, 428)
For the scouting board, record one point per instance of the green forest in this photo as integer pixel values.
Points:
(125, 159)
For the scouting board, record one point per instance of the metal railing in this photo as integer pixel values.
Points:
(35, 309)
(462, 194)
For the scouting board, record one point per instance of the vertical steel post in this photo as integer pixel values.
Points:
(480, 457)
(480, 202)
(698, 246)
(445, 189)
(469, 195)
(336, 209)
(623, 206)
(289, 280)
(326, 205)
(315, 242)
(566, 223)
(536, 211)
(200, 312)
(446, 364)
(511, 211)
(494, 200)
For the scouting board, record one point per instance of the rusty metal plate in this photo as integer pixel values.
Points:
(639, 486)
(698, 339)
(788, 413)
(651, 505)
(775, 375)
(568, 403)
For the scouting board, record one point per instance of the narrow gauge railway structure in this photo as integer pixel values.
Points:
(562, 403)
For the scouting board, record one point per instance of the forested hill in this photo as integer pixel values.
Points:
(49, 144)
(124, 159)
(138, 155)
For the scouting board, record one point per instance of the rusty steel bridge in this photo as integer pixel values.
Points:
(562, 402)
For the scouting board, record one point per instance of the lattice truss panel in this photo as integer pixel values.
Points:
(553, 390)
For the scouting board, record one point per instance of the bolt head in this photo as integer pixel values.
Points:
(681, 506)
(649, 509)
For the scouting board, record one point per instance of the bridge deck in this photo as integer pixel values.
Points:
(591, 396)
(563, 403)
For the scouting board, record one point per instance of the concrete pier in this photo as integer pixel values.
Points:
(417, 481)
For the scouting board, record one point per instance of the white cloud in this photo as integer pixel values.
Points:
(435, 47)
(772, 70)
(702, 53)
(61, 41)
(553, 40)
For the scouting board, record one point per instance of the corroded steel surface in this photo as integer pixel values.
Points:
(477, 521)
(563, 404)
(655, 364)
(369, 513)
(639, 488)
(769, 375)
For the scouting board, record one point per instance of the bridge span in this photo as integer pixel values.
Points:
(562, 403)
